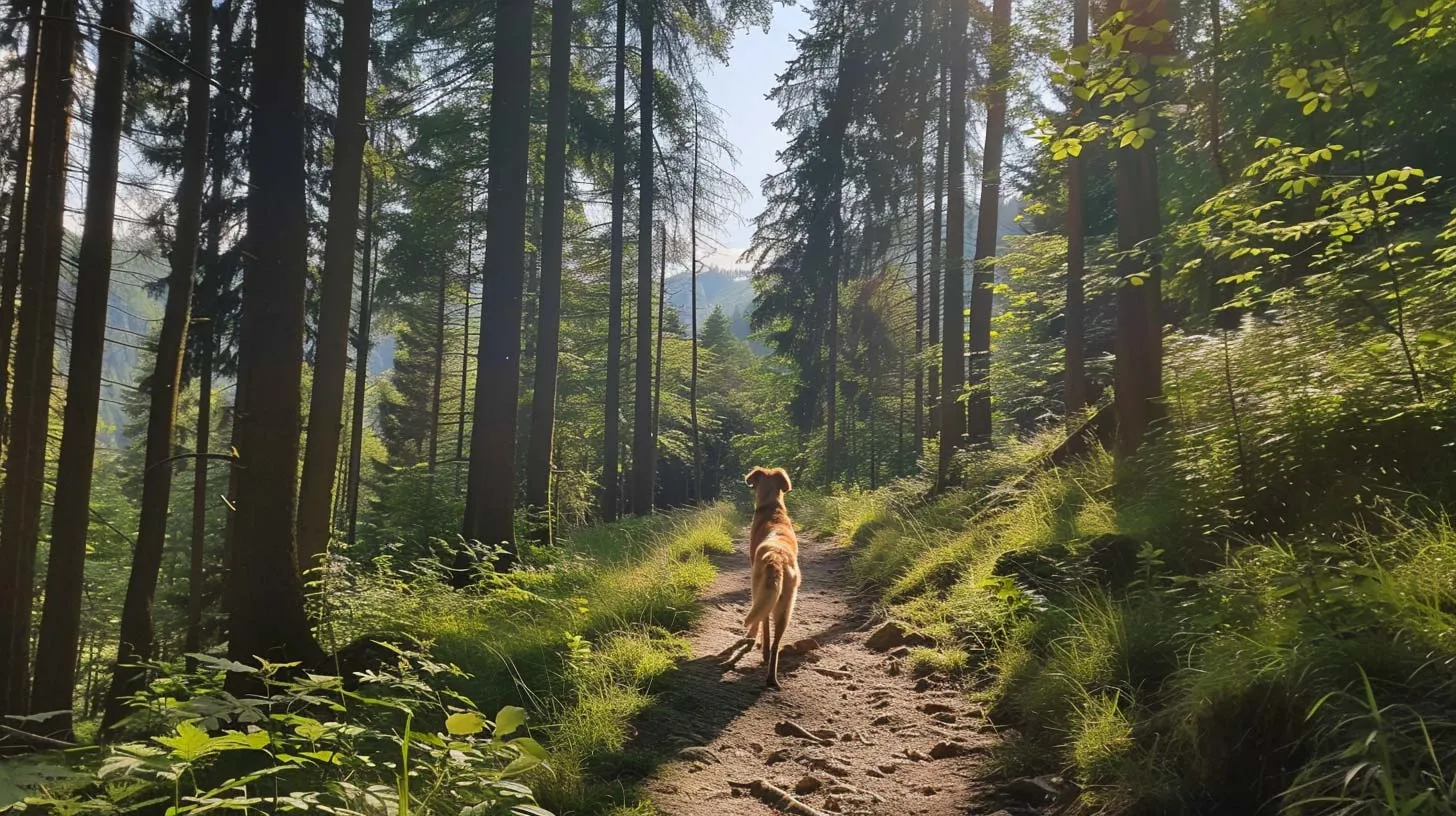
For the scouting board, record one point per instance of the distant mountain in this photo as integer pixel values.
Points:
(731, 289)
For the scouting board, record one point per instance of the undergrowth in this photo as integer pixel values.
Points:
(1204, 630)
(575, 641)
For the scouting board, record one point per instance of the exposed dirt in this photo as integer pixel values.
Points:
(851, 732)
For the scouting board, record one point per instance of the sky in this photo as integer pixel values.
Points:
(740, 88)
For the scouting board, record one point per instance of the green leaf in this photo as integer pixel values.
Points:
(465, 723)
(520, 765)
(509, 720)
(531, 747)
(191, 743)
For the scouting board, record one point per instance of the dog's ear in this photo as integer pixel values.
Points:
(783, 477)
(753, 476)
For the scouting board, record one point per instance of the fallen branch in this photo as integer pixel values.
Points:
(35, 739)
(836, 673)
(777, 798)
(793, 729)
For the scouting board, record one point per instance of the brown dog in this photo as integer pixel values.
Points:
(773, 556)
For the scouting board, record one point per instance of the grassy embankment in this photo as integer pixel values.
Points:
(1253, 617)
(579, 639)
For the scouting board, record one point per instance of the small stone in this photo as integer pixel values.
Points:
(888, 768)
(946, 750)
(698, 753)
(875, 773)
(922, 685)
(756, 747)
(808, 785)
(934, 708)
(900, 651)
(781, 755)
(893, 669)
(805, 646)
(825, 733)
(883, 719)
(892, 634)
(944, 717)
(915, 755)
(882, 704)
(930, 790)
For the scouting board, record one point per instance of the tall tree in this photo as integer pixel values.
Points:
(919, 420)
(937, 220)
(988, 217)
(644, 450)
(266, 603)
(361, 363)
(60, 627)
(952, 358)
(553, 220)
(1138, 341)
(40, 272)
(1074, 389)
(611, 434)
(15, 225)
(326, 408)
(490, 498)
(693, 308)
(165, 382)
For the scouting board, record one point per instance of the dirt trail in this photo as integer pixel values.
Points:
(878, 741)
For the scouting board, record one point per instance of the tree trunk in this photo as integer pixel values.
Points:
(166, 380)
(919, 403)
(983, 277)
(1138, 342)
(952, 358)
(937, 219)
(465, 335)
(644, 451)
(693, 307)
(432, 457)
(56, 655)
(361, 363)
(1075, 387)
(611, 432)
(326, 405)
(490, 497)
(15, 228)
(35, 350)
(212, 284)
(543, 397)
(661, 319)
(268, 615)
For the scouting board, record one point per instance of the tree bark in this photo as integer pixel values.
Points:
(432, 458)
(326, 405)
(644, 451)
(611, 432)
(166, 381)
(937, 260)
(490, 498)
(918, 423)
(15, 228)
(56, 655)
(1138, 341)
(1075, 386)
(693, 307)
(268, 615)
(39, 280)
(661, 320)
(543, 397)
(952, 358)
(361, 363)
(988, 218)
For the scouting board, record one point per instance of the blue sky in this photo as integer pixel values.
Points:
(739, 89)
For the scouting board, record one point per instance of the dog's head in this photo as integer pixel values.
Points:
(768, 484)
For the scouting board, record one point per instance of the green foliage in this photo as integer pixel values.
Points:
(394, 739)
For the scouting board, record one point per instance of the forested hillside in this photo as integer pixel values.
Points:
(374, 427)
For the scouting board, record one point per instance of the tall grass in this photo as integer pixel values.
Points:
(579, 637)
(1252, 617)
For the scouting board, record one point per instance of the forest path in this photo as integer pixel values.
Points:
(851, 731)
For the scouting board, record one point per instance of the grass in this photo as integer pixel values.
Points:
(1187, 632)
(580, 637)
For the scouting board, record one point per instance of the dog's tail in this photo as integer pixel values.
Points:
(766, 597)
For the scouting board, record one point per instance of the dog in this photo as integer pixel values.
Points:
(773, 557)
